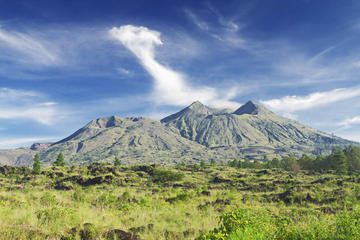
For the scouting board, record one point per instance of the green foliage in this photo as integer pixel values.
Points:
(48, 199)
(348, 225)
(52, 215)
(89, 232)
(36, 165)
(290, 163)
(125, 196)
(202, 164)
(117, 162)
(247, 224)
(106, 200)
(79, 195)
(144, 202)
(264, 203)
(352, 154)
(163, 176)
(182, 197)
(337, 161)
(60, 160)
(275, 163)
(306, 162)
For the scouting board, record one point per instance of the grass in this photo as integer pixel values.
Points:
(155, 202)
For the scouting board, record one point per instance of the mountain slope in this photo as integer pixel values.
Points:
(133, 140)
(252, 126)
(194, 133)
(20, 156)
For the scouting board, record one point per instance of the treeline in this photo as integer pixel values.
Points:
(341, 161)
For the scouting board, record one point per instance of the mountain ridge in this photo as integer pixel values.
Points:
(195, 132)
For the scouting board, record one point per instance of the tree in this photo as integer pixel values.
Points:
(60, 160)
(247, 163)
(36, 165)
(290, 163)
(337, 161)
(275, 163)
(352, 154)
(239, 164)
(212, 162)
(202, 164)
(256, 164)
(306, 162)
(319, 163)
(117, 162)
(232, 163)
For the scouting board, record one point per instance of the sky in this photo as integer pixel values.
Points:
(64, 63)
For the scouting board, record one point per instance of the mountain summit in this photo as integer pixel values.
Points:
(195, 108)
(251, 108)
(194, 133)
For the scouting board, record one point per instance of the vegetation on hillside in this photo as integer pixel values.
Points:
(204, 201)
(341, 161)
(196, 132)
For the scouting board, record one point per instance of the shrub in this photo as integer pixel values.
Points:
(36, 165)
(51, 215)
(163, 176)
(60, 160)
(48, 199)
(106, 200)
(79, 195)
(125, 196)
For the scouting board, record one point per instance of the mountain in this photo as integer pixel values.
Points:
(194, 133)
(251, 130)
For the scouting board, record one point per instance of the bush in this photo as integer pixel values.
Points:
(54, 214)
(262, 225)
(48, 199)
(163, 176)
(79, 195)
(106, 200)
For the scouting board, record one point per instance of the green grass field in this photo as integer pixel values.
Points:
(154, 202)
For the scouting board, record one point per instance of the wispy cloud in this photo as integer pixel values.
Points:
(171, 87)
(350, 121)
(199, 23)
(22, 104)
(226, 31)
(290, 104)
(123, 71)
(28, 49)
(16, 142)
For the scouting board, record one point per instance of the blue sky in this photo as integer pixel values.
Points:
(64, 63)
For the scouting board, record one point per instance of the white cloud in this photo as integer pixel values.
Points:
(33, 49)
(226, 32)
(200, 24)
(290, 104)
(123, 71)
(14, 94)
(171, 87)
(13, 142)
(23, 104)
(350, 121)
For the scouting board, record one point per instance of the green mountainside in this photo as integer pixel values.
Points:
(251, 128)
(196, 132)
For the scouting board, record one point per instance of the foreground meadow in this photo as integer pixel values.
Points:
(185, 202)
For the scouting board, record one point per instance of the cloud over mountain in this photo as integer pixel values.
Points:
(290, 104)
(22, 104)
(170, 87)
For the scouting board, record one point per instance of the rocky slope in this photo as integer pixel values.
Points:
(196, 132)
(249, 128)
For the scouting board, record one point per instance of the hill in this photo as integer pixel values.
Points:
(194, 133)
(251, 130)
